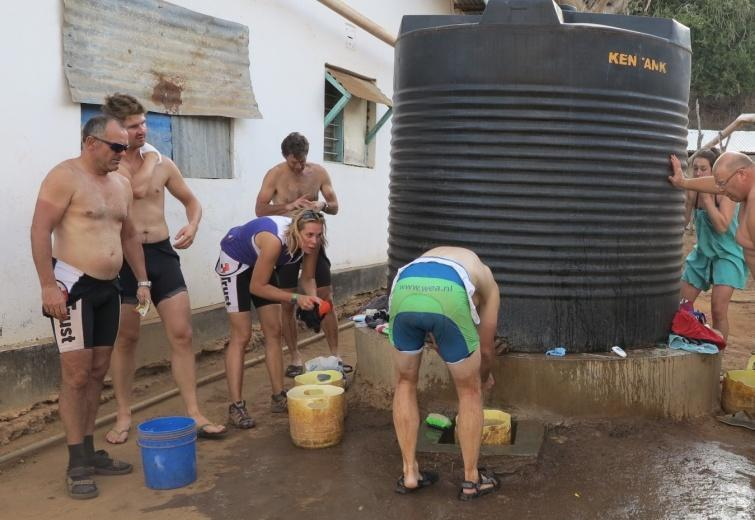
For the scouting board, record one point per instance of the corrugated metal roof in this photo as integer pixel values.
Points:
(470, 5)
(202, 147)
(740, 141)
(360, 87)
(173, 60)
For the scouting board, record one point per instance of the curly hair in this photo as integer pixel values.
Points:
(295, 144)
(120, 106)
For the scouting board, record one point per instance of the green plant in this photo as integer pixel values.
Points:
(723, 42)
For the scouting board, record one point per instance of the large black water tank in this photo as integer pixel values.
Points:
(540, 140)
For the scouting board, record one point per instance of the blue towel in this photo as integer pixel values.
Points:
(681, 343)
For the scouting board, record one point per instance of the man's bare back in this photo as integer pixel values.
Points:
(479, 273)
(746, 232)
(98, 207)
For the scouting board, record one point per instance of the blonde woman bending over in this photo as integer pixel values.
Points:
(249, 256)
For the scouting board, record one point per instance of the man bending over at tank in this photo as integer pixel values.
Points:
(450, 296)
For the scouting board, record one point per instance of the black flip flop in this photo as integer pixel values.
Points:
(202, 432)
(294, 370)
(426, 478)
(740, 418)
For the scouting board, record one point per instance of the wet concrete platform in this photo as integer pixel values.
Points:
(654, 382)
(526, 442)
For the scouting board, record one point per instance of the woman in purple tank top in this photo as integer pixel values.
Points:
(247, 265)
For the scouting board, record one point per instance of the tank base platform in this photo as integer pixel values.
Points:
(653, 382)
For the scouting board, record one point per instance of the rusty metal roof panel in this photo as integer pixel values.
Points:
(174, 60)
(470, 5)
(359, 86)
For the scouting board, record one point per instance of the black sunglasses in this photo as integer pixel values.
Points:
(115, 147)
(311, 215)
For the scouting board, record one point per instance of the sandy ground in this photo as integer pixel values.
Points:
(619, 469)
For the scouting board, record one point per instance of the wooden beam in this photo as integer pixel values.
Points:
(360, 20)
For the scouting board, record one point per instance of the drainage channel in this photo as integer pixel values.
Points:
(142, 405)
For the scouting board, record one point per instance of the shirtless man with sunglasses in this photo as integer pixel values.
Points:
(733, 176)
(88, 209)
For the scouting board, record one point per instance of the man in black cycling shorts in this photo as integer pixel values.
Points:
(151, 175)
(88, 209)
(288, 186)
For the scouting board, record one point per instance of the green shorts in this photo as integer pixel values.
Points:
(431, 298)
(701, 271)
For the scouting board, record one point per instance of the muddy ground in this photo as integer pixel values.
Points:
(619, 469)
(633, 469)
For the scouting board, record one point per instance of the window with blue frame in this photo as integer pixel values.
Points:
(200, 146)
(333, 145)
(351, 122)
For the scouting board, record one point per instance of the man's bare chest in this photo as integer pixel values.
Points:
(147, 185)
(288, 190)
(154, 188)
(107, 202)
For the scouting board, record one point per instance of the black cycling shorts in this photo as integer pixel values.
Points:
(235, 279)
(163, 270)
(288, 274)
(93, 310)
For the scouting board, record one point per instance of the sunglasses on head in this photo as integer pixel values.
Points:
(311, 215)
(115, 147)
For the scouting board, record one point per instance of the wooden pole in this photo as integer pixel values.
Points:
(360, 20)
(743, 119)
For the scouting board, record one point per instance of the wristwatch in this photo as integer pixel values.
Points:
(324, 205)
(147, 284)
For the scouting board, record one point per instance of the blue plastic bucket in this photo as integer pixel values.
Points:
(169, 452)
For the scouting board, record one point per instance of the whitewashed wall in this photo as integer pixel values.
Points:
(291, 40)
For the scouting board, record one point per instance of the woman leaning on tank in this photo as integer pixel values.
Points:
(716, 259)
